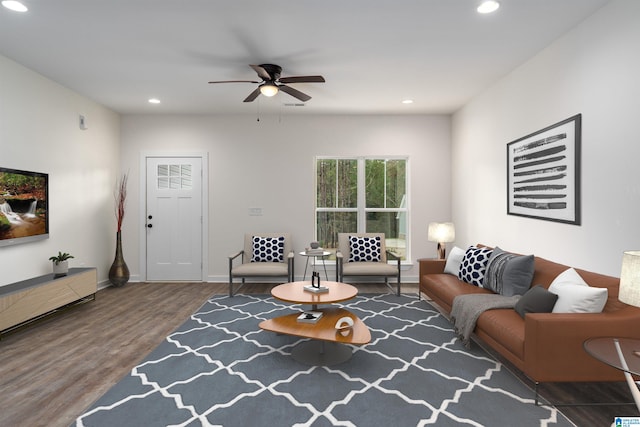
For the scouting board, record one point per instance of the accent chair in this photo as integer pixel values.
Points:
(366, 255)
(265, 255)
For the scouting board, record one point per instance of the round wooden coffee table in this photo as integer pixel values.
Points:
(326, 346)
(294, 292)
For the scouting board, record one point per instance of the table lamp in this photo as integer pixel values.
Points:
(441, 232)
(630, 294)
(630, 279)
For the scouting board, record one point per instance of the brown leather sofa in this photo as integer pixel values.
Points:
(547, 347)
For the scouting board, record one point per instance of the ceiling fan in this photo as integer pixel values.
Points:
(272, 82)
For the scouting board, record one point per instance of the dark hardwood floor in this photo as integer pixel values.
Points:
(53, 369)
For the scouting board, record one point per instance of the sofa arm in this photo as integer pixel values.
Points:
(553, 349)
(431, 266)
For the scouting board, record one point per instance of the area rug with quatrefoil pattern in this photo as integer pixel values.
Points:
(220, 369)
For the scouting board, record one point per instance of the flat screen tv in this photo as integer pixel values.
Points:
(24, 206)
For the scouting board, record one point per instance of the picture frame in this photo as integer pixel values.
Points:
(543, 173)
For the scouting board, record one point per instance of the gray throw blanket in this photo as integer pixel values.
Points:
(467, 308)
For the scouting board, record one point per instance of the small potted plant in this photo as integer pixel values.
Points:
(60, 264)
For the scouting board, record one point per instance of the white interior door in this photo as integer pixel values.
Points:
(174, 218)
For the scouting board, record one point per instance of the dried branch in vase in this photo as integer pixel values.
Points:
(120, 197)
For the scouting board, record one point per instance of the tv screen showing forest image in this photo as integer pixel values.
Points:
(23, 206)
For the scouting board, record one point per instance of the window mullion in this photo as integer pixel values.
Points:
(384, 188)
(337, 190)
(362, 196)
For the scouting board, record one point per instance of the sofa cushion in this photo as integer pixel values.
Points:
(508, 274)
(575, 295)
(474, 264)
(267, 249)
(443, 288)
(364, 249)
(454, 260)
(536, 300)
(505, 327)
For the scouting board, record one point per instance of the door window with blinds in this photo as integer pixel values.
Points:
(177, 177)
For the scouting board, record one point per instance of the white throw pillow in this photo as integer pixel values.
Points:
(575, 295)
(570, 277)
(454, 260)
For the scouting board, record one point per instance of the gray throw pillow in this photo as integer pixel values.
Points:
(509, 274)
(536, 300)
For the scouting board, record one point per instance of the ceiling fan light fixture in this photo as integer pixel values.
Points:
(488, 6)
(268, 89)
(16, 6)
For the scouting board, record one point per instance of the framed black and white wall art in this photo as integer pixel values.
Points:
(543, 173)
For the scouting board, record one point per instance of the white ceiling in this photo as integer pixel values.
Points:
(372, 53)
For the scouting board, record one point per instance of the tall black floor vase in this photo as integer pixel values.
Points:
(119, 272)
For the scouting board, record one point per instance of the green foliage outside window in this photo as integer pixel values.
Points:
(385, 183)
(337, 183)
(383, 207)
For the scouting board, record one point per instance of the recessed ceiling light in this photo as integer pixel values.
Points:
(488, 6)
(14, 5)
(154, 101)
(407, 101)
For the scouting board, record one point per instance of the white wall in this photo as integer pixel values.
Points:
(39, 131)
(592, 70)
(269, 164)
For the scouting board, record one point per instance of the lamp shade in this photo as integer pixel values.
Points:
(630, 278)
(441, 232)
(268, 89)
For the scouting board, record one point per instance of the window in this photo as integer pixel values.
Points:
(362, 195)
(174, 177)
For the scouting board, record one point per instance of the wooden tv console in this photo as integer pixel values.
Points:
(30, 299)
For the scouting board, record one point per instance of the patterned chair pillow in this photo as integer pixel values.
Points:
(364, 249)
(474, 264)
(267, 249)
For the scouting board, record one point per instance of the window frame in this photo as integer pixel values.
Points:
(361, 209)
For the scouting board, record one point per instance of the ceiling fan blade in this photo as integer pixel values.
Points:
(236, 81)
(302, 79)
(262, 73)
(252, 96)
(295, 93)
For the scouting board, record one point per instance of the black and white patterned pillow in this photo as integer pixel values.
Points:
(267, 249)
(474, 265)
(363, 249)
